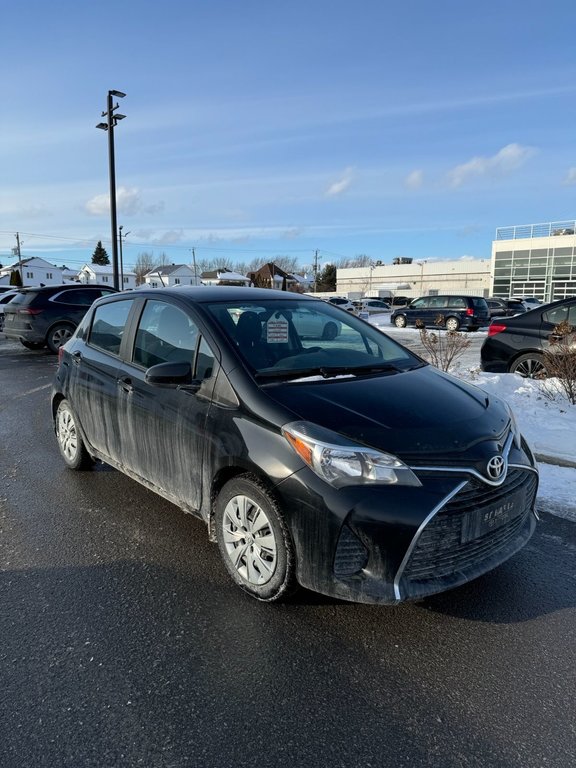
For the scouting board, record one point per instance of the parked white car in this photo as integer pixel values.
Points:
(5, 297)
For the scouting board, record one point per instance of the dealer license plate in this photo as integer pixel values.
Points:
(491, 517)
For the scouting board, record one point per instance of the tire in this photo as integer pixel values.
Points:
(33, 344)
(530, 366)
(400, 321)
(452, 324)
(58, 335)
(70, 443)
(253, 540)
(473, 328)
(330, 331)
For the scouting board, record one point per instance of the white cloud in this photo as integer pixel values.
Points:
(508, 159)
(338, 187)
(570, 177)
(128, 202)
(414, 180)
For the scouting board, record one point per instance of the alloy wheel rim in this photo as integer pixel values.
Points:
(531, 369)
(249, 540)
(67, 435)
(61, 336)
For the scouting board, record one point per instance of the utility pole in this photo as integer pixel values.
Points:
(19, 257)
(316, 271)
(194, 263)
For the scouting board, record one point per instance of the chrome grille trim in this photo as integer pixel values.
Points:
(414, 542)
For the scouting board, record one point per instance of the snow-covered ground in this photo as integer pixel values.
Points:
(548, 423)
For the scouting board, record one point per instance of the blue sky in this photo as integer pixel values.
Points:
(258, 128)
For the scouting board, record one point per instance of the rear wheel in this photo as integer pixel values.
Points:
(400, 321)
(70, 443)
(58, 335)
(33, 344)
(530, 366)
(253, 539)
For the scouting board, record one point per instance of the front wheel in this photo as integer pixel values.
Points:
(330, 331)
(400, 321)
(530, 366)
(452, 324)
(70, 443)
(253, 539)
(58, 336)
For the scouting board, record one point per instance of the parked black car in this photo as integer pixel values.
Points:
(347, 465)
(466, 312)
(516, 344)
(47, 316)
(504, 307)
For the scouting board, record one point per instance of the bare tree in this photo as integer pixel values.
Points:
(144, 263)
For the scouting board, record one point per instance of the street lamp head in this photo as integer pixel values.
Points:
(118, 94)
(103, 126)
(119, 117)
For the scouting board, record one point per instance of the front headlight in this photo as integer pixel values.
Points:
(340, 462)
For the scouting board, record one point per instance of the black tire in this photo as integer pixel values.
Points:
(531, 365)
(58, 335)
(72, 448)
(253, 539)
(33, 344)
(452, 324)
(473, 328)
(330, 331)
(400, 321)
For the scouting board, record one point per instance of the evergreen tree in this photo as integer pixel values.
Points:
(327, 278)
(16, 278)
(100, 256)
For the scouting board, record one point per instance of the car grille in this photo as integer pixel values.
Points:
(442, 558)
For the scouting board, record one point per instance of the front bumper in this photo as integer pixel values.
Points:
(395, 544)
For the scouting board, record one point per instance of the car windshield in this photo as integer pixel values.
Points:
(292, 338)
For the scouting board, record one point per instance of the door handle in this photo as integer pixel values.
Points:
(125, 383)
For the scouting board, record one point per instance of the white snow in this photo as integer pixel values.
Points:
(545, 417)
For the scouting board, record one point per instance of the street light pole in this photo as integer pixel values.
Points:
(109, 126)
(120, 228)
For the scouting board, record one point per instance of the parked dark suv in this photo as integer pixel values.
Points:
(457, 312)
(505, 307)
(48, 316)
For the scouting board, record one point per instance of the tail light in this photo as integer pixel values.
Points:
(469, 311)
(495, 328)
(30, 311)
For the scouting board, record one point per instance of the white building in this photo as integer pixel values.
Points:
(535, 260)
(98, 274)
(410, 278)
(170, 275)
(35, 272)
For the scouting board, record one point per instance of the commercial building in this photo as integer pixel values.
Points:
(535, 260)
(423, 277)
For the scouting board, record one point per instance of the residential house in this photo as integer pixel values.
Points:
(35, 272)
(272, 276)
(103, 274)
(169, 275)
(224, 276)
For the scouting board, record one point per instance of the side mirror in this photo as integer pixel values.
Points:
(171, 374)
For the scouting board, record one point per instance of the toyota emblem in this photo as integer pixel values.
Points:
(495, 467)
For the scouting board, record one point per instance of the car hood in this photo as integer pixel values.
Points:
(411, 414)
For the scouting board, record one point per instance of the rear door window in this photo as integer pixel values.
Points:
(80, 297)
(108, 325)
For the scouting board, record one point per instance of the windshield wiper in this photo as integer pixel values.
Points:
(329, 372)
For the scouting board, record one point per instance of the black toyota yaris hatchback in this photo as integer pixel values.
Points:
(317, 450)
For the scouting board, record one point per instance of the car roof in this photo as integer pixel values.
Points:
(207, 294)
(64, 287)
